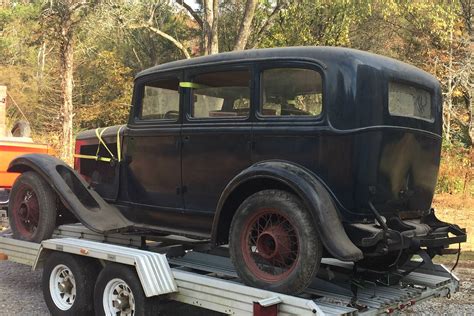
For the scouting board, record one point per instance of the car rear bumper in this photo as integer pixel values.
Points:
(427, 232)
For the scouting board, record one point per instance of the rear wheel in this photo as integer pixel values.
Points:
(274, 243)
(118, 291)
(32, 208)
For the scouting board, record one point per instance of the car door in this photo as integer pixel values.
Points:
(153, 153)
(289, 113)
(216, 134)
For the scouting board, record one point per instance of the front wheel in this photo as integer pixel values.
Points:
(274, 243)
(32, 209)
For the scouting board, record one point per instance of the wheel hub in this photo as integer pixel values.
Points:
(122, 302)
(25, 210)
(65, 286)
(118, 298)
(270, 245)
(273, 243)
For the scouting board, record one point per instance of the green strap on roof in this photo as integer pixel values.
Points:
(192, 85)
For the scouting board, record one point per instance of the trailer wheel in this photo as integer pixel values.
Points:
(274, 243)
(32, 208)
(68, 284)
(118, 291)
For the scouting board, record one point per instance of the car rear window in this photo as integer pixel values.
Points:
(409, 101)
(291, 92)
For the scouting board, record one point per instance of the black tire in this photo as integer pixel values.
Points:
(32, 195)
(298, 265)
(143, 306)
(84, 271)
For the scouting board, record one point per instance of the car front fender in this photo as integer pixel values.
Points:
(75, 193)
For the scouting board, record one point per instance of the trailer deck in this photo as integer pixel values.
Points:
(208, 279)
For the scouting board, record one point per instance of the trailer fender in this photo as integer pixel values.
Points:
(152, 268)
(306, 186)
(75, 193)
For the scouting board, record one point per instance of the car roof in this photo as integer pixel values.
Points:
(324, 55)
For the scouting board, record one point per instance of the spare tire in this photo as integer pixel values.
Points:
(32, 208)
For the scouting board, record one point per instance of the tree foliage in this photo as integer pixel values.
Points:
(114, 40)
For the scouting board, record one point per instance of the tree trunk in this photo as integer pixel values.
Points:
(211, 39)
(67, 81)
(244, 30)
(449, 94)
(214, 28)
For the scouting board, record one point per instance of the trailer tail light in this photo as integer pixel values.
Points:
(259, 310)
(266, 307)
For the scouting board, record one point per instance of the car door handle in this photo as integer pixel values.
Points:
(186, 139)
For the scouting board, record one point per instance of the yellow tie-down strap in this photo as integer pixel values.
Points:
(99, 133)
(192, 85)
(97, 158)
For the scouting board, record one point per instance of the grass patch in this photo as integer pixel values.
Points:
(465, 260)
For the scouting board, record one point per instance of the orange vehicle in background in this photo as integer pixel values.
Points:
(12, 147)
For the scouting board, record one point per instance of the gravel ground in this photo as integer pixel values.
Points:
(460, 303)
(20, 290)
(20, 294)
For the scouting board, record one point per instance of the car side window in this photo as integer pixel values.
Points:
(160, 100)
(221, 94)
(291, 92)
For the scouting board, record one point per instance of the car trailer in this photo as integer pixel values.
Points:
(183, 270)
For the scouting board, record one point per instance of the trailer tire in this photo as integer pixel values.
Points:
(68, 284)
(120, 282)
(32, 208)
(274, 243)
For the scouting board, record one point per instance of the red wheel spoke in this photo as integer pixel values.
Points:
(271, 244)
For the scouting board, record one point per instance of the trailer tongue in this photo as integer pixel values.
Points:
(175, 266)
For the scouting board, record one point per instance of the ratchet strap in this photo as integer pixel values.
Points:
(97, 157)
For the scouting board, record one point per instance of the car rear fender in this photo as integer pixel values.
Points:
(312, 192)
(75, 193)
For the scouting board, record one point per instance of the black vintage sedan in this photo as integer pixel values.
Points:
(286, 154)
